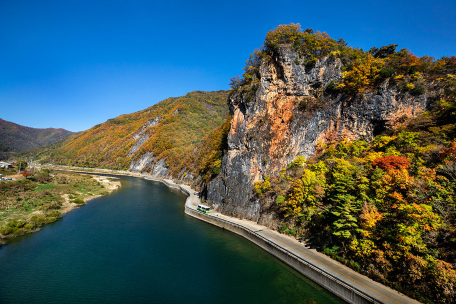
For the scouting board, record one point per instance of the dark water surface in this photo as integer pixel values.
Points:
(137, 246)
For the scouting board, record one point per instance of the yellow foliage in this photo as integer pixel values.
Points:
(364, 73)
(262, 186)
(362, 248)
(369, 158)
(417, 75)
(382, 141)
(399, 77)
(284, 33)
(306, 192)
(369, 216)
(392, 151)
(410, 86)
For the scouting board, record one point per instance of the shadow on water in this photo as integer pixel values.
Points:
(137, 245)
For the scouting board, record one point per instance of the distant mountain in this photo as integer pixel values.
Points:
(17, 138)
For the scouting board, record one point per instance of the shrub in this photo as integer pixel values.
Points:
(387, 72)
(216, 170)
(419, 89)
(26, 173)
(262, 186)
(298, 162)
(296, 44)
(42, 177)
(405, 86)
(78, 201)
(283, 34)
(311, 63)
(332, 86)
(280, 200)
(7, 230)
(410, 86)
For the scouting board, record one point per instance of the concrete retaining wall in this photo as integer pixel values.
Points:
(337, 287)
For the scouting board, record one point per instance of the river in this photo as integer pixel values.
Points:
(136, 245)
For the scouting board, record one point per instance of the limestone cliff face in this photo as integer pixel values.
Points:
(288, 116)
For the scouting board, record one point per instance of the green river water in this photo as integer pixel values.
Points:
(137, 246)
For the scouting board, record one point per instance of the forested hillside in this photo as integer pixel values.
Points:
(166, 133)
(16, 138)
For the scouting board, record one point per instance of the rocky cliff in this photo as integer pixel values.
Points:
(290, 113)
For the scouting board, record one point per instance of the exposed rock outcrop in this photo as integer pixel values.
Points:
(289, 115)
(150, 123)
(149, 164)
(138, 144)
(142, 136)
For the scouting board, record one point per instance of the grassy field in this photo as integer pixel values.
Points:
(28, 204)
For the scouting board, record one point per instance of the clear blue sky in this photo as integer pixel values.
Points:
(73, 64)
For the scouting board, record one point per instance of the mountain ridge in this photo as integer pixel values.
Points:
(18, 138)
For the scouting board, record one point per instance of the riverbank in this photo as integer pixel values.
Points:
(330, 274)
(28, 204)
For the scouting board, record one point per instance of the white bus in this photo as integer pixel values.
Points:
(203, 208)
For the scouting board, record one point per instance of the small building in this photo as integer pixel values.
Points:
(5, 165)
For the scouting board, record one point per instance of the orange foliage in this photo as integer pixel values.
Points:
(450, 152)
(391, 162)
(26, 173)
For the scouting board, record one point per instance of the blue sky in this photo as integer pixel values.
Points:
(74, 64)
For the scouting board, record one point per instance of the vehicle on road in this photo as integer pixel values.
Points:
(203, 208)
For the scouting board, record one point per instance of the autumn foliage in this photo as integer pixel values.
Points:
(391, 162)
(26, 173)
(385, 208)
(362, 70)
